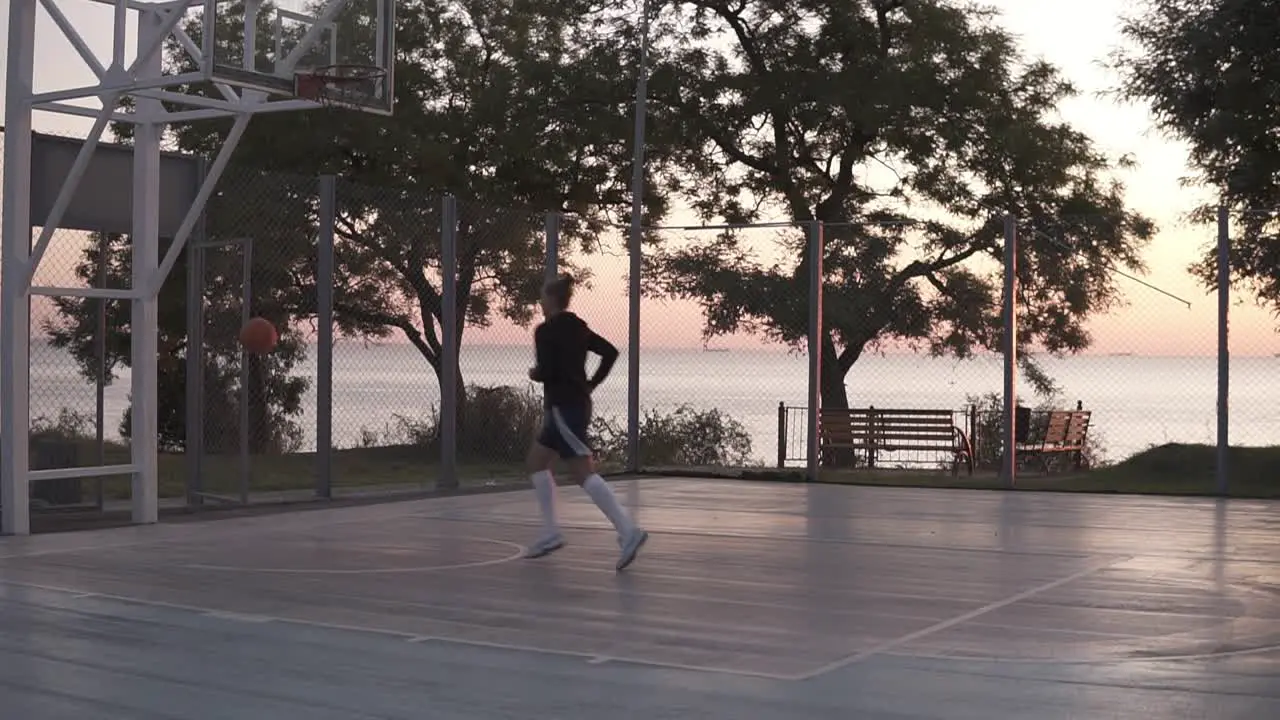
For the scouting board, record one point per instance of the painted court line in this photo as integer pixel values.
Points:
(516, 555)
(224, 614)
(727, 534)
(596, 659)
(1080, 662)
(949, 623)
(238, 617)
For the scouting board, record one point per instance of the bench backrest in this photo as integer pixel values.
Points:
(888, 426)
(1067, 427)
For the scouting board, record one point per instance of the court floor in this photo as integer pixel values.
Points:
(751, 600)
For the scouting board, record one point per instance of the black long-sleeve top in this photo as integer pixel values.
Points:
(561, 344)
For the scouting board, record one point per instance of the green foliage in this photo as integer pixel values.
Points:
(987, 413)
(275, 396)
(1210, 73)
(68, 425)
(909, 127)
(685, 437)
(1174, 469)
(506, 105)
(498, 424)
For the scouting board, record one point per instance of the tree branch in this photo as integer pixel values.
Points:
(406, 327)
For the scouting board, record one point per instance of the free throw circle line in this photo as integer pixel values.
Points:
(519, 552)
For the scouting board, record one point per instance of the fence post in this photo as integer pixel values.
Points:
(328, 207)
(551, 228)
(246, 312)
(971, 422)
(782, 434)
(100, 368)
(194, 431)
(1009, 459)
(815, 350)
(1224, 349)
(448, 477)
(634, 248)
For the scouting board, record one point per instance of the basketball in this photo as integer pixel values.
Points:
(259, 336)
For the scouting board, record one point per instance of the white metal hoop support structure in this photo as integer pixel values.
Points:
(145, 80)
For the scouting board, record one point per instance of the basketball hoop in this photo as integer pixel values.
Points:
(339, 85)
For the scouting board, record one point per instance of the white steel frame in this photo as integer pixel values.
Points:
(145, 80)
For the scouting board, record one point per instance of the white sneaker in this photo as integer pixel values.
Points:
(631, 546)
(544, 546)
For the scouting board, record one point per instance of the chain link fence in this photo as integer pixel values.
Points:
(913, 361)
(78, 369)
(350, 400)
(724, 343)
(386, 349)
(249, 429)
(502, 262)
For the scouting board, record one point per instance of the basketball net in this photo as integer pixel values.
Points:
(338, 86)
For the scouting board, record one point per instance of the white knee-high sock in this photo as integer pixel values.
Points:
(544, 486)
(602, 495)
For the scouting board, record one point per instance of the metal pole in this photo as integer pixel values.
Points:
(143, 440)
(100, 360)
(448, 478)
(194, 447)
(324, 337)
(194, 435)
(634, 249)
(1008, 471)
(246, 312)
(816, 336)
(551, 228)
(1224, 348)
(15, 309)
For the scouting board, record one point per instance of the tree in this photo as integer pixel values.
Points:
(908, 127)
(507, 106)
(515, 109)
(1211, 74)
(275, 396)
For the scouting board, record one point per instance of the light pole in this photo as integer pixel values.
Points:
(637, 208)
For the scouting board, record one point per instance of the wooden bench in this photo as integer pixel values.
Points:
(1066, 433)
(871, 431)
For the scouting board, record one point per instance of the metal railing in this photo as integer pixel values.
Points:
(984, 428)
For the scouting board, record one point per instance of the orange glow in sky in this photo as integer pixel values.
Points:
(1074, 36)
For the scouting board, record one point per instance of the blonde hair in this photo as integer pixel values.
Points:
(560, 290)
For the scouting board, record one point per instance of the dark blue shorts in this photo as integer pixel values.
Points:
(564, 429)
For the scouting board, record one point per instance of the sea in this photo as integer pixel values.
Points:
(1137, 401)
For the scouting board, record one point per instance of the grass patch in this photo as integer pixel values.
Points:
(1164, 470)
(391, 467)
(395, 466)
(1188, 470)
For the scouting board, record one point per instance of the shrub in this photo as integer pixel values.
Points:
(499, 423)
(69, 425)
(987, 438)
(68, 440)
(684, 437)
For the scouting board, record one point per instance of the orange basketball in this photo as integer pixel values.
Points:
(259, 336)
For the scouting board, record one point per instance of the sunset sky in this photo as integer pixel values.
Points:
(1074, 36)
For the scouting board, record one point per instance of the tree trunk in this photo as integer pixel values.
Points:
(464, 443)
(835, 396)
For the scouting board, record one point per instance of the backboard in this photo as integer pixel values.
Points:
(265, 44)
